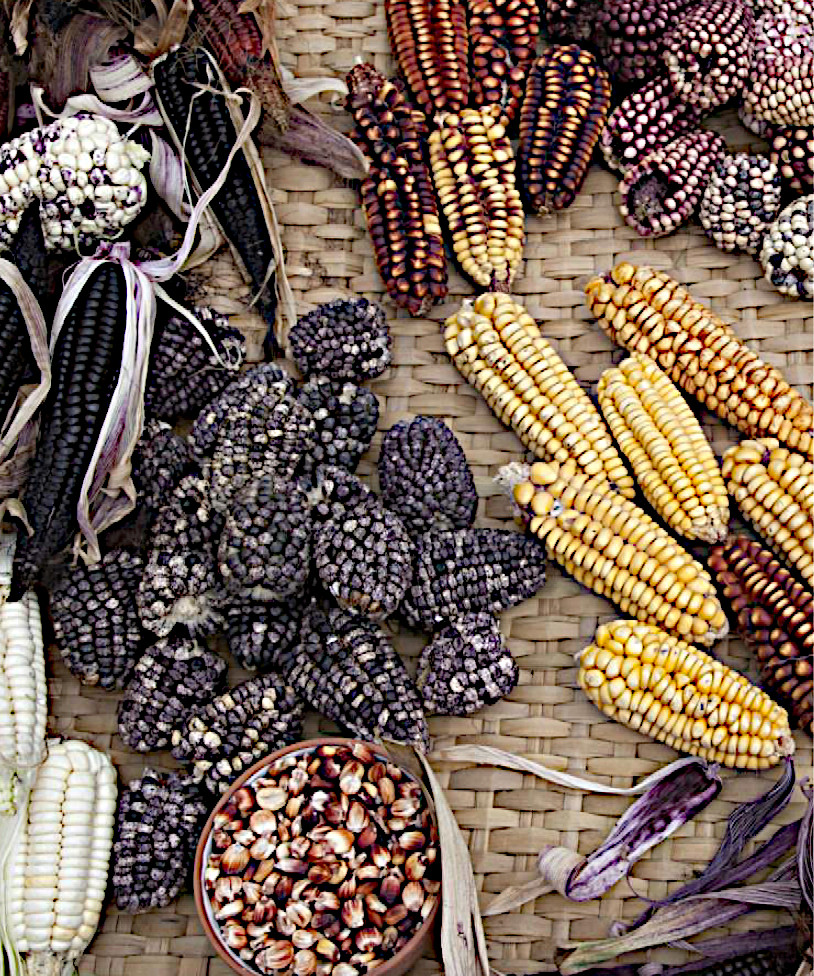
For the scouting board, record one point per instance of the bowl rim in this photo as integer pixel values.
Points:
(389, 968)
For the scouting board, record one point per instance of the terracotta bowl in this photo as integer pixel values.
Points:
(396, 965)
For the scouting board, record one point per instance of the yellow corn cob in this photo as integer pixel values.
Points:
(647, 311)
(774, 488)
(653, 682)
(611, 546)
(660, 436)
(473, 171)
(498, 347)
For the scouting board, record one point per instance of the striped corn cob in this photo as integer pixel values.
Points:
(397, 195)
(564, 109)
(472, 166)
(647, 311)
(661, 438)
(23, 695)
(774, 488)
(498, 347)
(660, 685)
(774, 612)
(57, 875)
(430, 41)
(611, 546)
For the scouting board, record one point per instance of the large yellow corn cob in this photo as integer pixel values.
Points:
(653, 682)
(660, 436)
(498, 347)
(647, 311)
(473, 171)
(774, 488)
(611, 546)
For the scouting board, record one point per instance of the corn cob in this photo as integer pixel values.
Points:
(430, 41)
(661, 438)
(345, 420)
(654, 682)
(24, 703)
(774, 613)
(774, 488)
(499, 349)
(647, 311)
(57, 874)
(630, 35)
(397, 195)
(502, 39)
(472, 166)
(792, 152)
(741, 199)
(564, 110)
(611, 546)
(787, 254)
(160, 461)
(257, 633)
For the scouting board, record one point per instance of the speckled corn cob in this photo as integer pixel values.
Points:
(661, 191)
(787, 252)
(345, 420)
(564, 109)
(337, 491)
(775, 613)
(778, 89)
(502, 39)
(660, 436)
(647, 311)
(257, 633)
(653, 682)
(347, 339)
(611, 546)
(630, 35)
(741, 199)
(792, 151)
(500, 350)
(397, 196)
(161, 459)
(472, 166)
(774, 488)
(224, 737)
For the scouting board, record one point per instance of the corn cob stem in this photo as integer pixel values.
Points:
(650, 681)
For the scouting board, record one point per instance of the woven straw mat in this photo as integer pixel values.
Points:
(506, 816)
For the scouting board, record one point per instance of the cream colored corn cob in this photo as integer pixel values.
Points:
(500, 350)
(57, 874)
(650, 681)
(774, 488)
(660, 436)
(611, 546)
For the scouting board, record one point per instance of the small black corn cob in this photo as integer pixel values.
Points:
(230, 733)
(186, 373)
(347, 339)
(471, 571)
(425, 478)
(336, 492)
(85, 368)
(158, 820)
(161, 459)
(257, 633)
(347, 669)
(345, 420)
(96, 623)
(265, 546)
(203, 125)
(170, 678)
(466, 666)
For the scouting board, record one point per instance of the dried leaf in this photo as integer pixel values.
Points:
(20, 14)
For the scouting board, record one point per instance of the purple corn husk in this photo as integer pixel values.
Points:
(805, 849)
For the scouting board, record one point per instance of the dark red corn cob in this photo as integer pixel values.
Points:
(398, 198)
(503, 35)
(570, 20)
(566, 104)
(793, 153)
(647, 119)
(661, 192)
(774, 613)
(630, 35)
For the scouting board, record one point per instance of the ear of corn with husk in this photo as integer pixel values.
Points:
(660, 436)
(611, 546)
(499, 349)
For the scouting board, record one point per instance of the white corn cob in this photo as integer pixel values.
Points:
(56, 876)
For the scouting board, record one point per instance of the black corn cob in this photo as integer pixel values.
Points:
(210, 135)
(161, 459)
(257, 633)
(85, 369)
(345, 420)
(750, 964)
(336, 492)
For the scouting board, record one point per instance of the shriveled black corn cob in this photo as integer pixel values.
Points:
(347, 669)
(257, 633)
(471, 571)
(564, 109)
(161, 459)
(188, 520)
(96, 623)
(85, 369)
(158, 820)
(170, 678)
(345, 420)
(203, 125)
(336, 491)
(226, 735)
(425, 478)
